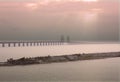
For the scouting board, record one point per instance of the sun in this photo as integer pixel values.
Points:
(89, 0)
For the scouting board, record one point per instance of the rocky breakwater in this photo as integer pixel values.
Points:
(62, 58)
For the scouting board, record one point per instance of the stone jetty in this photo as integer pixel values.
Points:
(55, 59)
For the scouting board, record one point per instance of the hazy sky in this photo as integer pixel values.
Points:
(49, 19)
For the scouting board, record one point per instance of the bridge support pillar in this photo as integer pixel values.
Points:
(37, 44)
(23, 44)
(19, 44)
(30, 43)
(27, 44)
(8, 44)
(14, 44)
(3, 44)
(34, 43)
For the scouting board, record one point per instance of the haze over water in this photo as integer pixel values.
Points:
(81, 20)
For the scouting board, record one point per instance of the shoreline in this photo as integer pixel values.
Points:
(56, 59)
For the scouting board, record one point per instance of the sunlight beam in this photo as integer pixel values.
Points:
(32, 6)
(89, 0)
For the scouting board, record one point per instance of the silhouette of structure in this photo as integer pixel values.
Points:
(68, 39)
(62, 38)
(29, 43)
(34, 43)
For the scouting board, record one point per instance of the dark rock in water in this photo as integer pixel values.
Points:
(62, 58)
(23, 61)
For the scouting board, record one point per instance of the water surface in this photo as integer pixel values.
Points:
(100, 70)
(103, 70)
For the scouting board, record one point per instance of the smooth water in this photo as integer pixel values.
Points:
(18, 52)
(101, 70)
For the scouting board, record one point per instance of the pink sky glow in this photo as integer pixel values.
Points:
(84, 15)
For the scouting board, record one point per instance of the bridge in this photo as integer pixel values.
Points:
(29, 43)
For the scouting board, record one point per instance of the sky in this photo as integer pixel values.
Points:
(81, 20)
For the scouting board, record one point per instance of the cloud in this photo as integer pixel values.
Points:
(80, 20)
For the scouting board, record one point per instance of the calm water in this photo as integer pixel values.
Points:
(101, 70)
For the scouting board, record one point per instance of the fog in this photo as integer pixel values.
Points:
(40, 20)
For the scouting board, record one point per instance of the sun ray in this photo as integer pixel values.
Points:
(32, 5)
(89, 0)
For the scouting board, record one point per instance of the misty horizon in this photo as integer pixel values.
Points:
(48, 20)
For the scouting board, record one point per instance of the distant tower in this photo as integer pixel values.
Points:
(119, 33)
(62, 39)
(68, 39)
